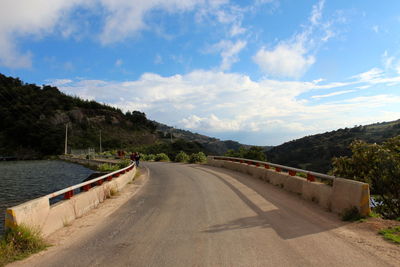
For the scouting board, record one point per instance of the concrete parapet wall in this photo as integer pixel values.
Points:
(38, 213)
(343, 195)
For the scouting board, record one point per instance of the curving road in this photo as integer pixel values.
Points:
(192, 215)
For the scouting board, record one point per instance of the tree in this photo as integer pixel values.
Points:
(254, 152)
(379, 166)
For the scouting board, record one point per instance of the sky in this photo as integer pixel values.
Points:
(260, 72)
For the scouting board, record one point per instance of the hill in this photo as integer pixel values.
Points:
(315, 152)
(33, 121)
(212, 145)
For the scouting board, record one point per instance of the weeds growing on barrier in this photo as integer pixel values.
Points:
(351, 214)
(113, 192)
(20, 242)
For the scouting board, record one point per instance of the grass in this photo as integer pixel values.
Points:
(392, 234)
(107, 167)
(20, 242)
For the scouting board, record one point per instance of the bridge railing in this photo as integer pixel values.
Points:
(43, 214)
(332, 193)
(85, 186)
(278, 168)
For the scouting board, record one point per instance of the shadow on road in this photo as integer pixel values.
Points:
(292, 219)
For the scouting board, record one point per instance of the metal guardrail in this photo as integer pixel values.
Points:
(292, 171)
(69, 191)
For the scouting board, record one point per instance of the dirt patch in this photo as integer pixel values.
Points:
(364, 234)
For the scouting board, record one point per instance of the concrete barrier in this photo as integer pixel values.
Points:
(344, 194)
(40, 215)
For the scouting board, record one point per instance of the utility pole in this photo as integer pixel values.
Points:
(100, 141)
(66, 139)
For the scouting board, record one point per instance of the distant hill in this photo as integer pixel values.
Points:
(315, 152)
(33, 121)
(211, 145)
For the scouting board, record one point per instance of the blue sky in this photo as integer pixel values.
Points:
(259, 72)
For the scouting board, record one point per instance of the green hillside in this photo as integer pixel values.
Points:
(33, 122)
(316, 152)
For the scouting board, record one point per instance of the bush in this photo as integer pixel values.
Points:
(148, 157)
(198, 158)
(124, 163)
(107, 167)
(182, 157)
(352, 214)
(254, 152)
(18, 243)
(161, 157)
(379, 166)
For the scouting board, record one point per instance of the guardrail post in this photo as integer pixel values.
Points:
(310, 177)
(69, 194)
(86, 187)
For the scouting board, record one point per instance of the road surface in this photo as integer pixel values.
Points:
(194, 215)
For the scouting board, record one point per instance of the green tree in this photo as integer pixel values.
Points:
(198, 158)
(379, 166)
(182, 157)
(254, 152)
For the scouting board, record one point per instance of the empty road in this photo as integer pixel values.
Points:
(193, 215)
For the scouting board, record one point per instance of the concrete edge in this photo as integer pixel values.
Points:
(342, 196)
(39, 215)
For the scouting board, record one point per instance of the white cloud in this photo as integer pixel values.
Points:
(26, 17)
(293, 57)
(316, 13)
(229, 52)
(333, 94)
(285, 60)
(215, 103)
(158, 59)
(211, 123)
(38, 18)
(237, 29)
(119, 62)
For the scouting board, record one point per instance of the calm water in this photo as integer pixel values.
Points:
(25, 180)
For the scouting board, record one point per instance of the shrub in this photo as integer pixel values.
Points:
(182, 157)
(124, 163)
(18, 243)
(148, 157)
(351, 214)
(198, 158)
(379, 166)
(161, 157)
(107, 167)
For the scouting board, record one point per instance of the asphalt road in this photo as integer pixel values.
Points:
(192, 215)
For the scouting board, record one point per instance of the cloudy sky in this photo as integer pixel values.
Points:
(257, 71)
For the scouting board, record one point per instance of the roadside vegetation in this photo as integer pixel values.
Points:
(182, 157)
(379, 166)
(254, 152)
(18, 243)
(392, 234)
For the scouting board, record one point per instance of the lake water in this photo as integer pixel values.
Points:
(21, 181)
